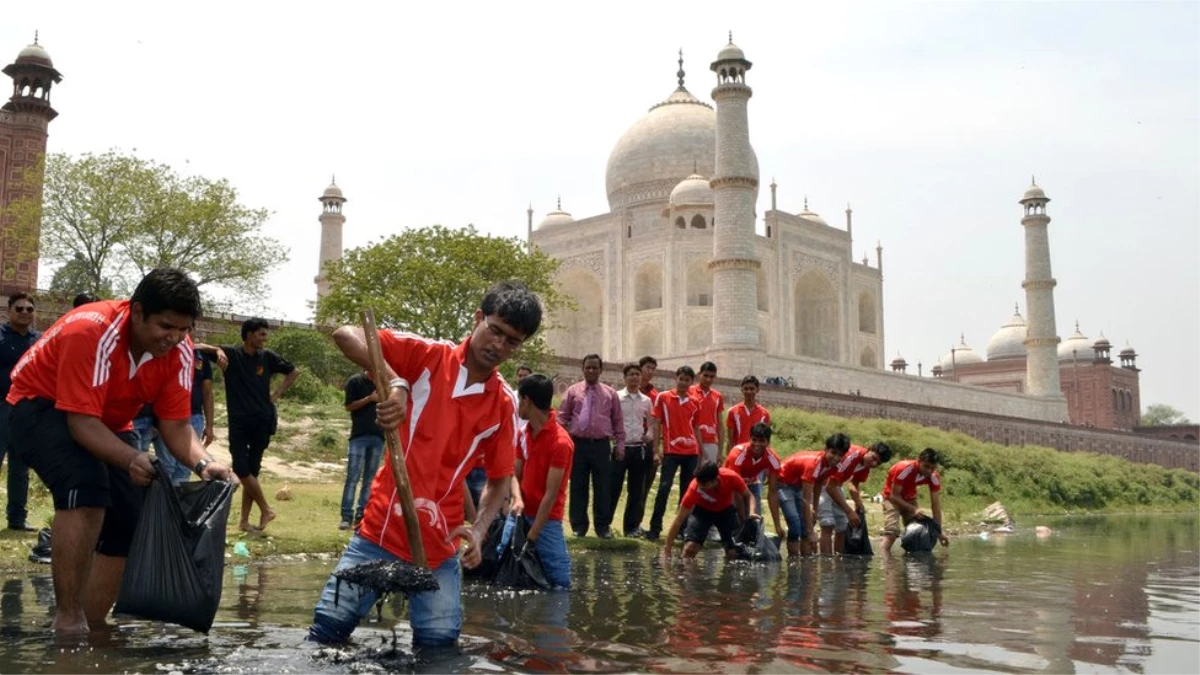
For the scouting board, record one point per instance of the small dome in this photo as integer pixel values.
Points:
(1009, 341)
(731, 52)
(35, 54)
(1128, 350)
(556, 217)
(1102, 343)
(962, 355)
(1078, 347)
(692, 190)
(332, 192)
(899, 362)
(811, 216)
(1034, 192)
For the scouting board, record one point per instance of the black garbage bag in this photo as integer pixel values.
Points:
(494, 549)
(521, 567)
(921, 535)
(858, 539)
(753, 544)
(177, 558)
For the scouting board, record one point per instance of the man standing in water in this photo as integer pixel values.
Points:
(449, 404)
(717, 497)
(252, 416)
(834, 512)
(74, 395)
(900, 495)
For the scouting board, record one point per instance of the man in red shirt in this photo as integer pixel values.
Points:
(676, 442)
(833, 511)
(450, 404)
(711, 405)
(754, 459)
(716, 497)
(801, 478)
(74, 396)
(900, 495)
(743, 416)
(540, 480)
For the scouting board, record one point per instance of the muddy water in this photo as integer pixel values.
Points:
(1101, 595)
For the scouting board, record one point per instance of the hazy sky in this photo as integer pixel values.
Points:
(928, 118)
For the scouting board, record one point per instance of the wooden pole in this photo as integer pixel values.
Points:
(412, 524)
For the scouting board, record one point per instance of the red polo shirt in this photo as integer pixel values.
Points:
(84, 365)
(719, 499)
(448, 426)
(740, 420)
(851, 468)
(742, 460)
(677, 415)
(905, 476)
(804, 467)
(551, 448)
(711, 404)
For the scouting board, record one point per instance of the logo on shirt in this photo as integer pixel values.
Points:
(258, 370)
(199, 365)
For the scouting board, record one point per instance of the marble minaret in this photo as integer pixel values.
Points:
(1041, 341)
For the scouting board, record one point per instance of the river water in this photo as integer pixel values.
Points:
(1105, 594)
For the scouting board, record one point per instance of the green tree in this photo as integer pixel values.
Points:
(74, 277)
(430, 280)
(1160, 414)
(113, 217)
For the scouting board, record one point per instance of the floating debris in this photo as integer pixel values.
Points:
(388, 576)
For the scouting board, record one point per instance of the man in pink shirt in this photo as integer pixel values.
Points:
(591, 413)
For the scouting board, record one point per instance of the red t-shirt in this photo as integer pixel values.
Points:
(83, 364)
(650, 392)
(905, 476)
(804, 467)
(742, 460)
(552, 448)
(448, 425)
(711, 404)
(677, 415)
(728, 485)
(851, 468)
(739, 421)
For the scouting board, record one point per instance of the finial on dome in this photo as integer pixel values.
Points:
(35, 36)
(530, 209)
(962, 337)
(560, 203)
(773, 182)
(680, 72)
(333, 179)
(1076, 325)
(878, 244)
(805, 202)
(730, 37)
(848, 209)
(695, 167)
(1016, 308)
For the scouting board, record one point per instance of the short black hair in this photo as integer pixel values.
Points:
(839, 443)
(524, 367)
(539, 389)
(632, 366)
(252, 325)
(930, 455)
(761, 430)
(84, 298)
(648, 359)
(589, 357)
(750, 379)
(685, 370)
(708, 472)
(708, 367)
(513, 302)
(167, 289)
(12, 299)
(883, 450)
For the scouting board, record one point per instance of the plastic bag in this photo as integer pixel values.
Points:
(921, 535)
(494, 548)
(754, 544)
(176, 561)
(858, 539)
(521, 567)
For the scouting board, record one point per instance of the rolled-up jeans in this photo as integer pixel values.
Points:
(436, 616)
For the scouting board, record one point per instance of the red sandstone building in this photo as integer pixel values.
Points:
(24, 124)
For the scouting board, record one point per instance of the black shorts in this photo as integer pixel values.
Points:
(76, 478)
(248, 439)
(702, 520)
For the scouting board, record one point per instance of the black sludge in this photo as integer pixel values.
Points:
(389, 576)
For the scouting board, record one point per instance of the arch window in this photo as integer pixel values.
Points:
(699, 284)
(866, 313)
(698, 222)
(815, 306)
(581, 330)
(680, 223)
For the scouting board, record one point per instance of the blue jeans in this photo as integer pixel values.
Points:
(435, 616)
(551, 547)
(147, 434)
(791, 502)
(476, 481)
(756, 489)
(18, 474)
(364, 455)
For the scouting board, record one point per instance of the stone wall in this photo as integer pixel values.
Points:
(989, 427)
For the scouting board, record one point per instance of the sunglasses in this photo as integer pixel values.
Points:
(23, 310)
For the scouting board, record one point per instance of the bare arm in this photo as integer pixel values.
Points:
(554, 481)
(746, 506)
(834, 490)
(811, 490)
(517, 506)
(907, 508)
(353, 343)
(207, 388)
(773, 503)
(104, 445)
(288, 381)
(935, 503)
(222, 359)
(676, 526)
(363, 402)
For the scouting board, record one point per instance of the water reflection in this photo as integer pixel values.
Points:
(1102, 594)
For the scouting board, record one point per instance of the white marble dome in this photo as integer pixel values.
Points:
(692, 191)
(35, 53)
(1078, 346)
(1009, 341)
(1034, 192)
(962, 355)
(333, 192)
(731, 52)
(556, 217)
(812, 216)
(675, 139)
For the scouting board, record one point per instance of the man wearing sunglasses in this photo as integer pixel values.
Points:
(16, 337)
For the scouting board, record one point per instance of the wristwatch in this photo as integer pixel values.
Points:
(200, 466)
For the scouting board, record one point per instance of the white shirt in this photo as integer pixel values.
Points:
(636, 409)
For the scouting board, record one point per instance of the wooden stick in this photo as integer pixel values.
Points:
(412, 524)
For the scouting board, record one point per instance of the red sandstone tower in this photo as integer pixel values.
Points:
(24, 124)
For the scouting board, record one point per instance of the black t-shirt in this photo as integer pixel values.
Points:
(248, 383)
(13, 346)
(203, 372)
(362, 421)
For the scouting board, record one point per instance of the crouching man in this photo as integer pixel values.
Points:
(717, 497)
(74, 396)
(451, 405)
(540, 477)
(900, 505)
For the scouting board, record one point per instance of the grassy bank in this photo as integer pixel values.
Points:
(310, 447)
